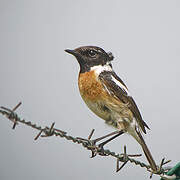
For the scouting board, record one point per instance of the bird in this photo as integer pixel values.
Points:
(107, 96)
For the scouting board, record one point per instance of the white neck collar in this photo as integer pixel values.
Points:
(100, 68)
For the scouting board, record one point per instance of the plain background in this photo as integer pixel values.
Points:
(144, 37)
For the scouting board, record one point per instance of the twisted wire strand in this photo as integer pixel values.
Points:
(51, 131)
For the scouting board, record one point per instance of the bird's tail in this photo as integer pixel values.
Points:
(146, 151)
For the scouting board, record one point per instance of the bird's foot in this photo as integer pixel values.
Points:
(160, 170)
(94, 148)
(98, 149)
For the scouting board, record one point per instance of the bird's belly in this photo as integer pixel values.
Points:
(99, 108)
(106, 112)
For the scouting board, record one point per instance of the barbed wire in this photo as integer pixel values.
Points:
(86, 143)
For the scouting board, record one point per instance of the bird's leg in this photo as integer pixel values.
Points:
(99, 148)
(93, 142)
(110, 139)
(103, 137)
(101, 145)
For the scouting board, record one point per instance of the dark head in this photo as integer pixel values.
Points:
(90, 56)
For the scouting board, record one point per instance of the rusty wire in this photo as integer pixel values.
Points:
(86, 143)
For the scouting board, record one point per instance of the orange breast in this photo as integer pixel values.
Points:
(89, 86)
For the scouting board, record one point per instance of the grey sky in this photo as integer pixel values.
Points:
(144, 37)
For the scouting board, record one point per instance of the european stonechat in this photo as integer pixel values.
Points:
(107, 95)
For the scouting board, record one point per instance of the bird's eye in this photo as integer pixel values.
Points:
(92, 53)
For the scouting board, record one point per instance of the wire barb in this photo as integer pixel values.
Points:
(10, 116)
(125, 158)
(49, 131)
(16, 106)
(90, 135)
(38, 135)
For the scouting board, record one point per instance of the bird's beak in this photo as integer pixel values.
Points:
(73, 52)
(76, 54)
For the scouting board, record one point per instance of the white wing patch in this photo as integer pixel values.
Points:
(107, 90)
(120, 85)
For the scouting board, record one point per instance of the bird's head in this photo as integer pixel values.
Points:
(90, 56)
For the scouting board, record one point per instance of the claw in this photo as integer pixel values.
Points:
(96, 149)
(94, 153)
(101, 150)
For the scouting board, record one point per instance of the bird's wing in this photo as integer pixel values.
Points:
(117, 88)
